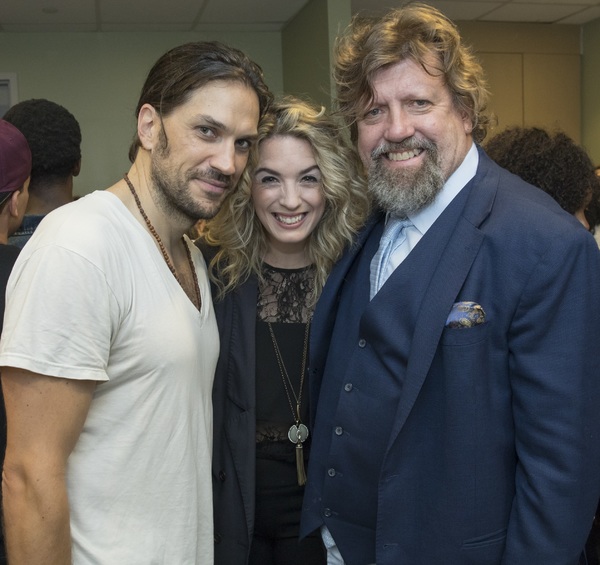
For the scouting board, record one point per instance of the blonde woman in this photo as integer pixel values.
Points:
(298, 206)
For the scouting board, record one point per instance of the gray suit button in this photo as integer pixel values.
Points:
(331, 472)
(348, 387)
(327, 512)
(362, 342)
(339, 430)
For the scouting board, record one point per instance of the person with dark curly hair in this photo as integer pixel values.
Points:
(54, 137)
(592, 212)
(552, 162)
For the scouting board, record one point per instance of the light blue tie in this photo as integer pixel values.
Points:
(393, 237)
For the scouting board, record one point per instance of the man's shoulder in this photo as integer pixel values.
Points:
(96, 220)
(94, 204)
(92, 235)
(523, 220)
(524, 203)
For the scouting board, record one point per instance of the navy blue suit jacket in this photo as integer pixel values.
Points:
(492, 453)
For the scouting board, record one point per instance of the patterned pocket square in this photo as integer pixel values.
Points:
(465, 315)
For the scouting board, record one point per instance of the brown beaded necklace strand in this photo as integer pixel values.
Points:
(162, 248)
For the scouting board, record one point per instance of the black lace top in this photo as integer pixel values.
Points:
(284, 302)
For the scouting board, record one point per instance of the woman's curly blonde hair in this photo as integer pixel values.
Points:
(239, 234)
(417, 32)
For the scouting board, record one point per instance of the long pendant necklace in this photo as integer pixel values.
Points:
(298, 432)
(162, 248)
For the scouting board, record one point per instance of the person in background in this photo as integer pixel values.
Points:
(15, 169)
(299, 203)
(552, 162)
(457, 415)
(54, 137)
(110, 341)
(592, 212)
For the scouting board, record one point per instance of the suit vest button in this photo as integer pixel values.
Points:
(327, 512)
(362, 342)
(339, 430)
(348, 387)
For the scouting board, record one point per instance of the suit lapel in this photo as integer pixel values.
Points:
(454, 263)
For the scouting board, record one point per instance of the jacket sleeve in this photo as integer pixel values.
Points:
(555, 385)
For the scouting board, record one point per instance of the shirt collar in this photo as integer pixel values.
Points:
(425, 218)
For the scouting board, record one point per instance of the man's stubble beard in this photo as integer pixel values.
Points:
(402, 192)
(173, 192)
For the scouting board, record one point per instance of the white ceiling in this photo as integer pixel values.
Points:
(539, 11)
(254, 15)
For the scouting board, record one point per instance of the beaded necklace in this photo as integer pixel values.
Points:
(162, 248)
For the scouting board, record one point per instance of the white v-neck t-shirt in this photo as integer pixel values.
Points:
(91, 297)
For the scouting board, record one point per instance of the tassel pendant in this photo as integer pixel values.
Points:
(300, 464)
(298, 433)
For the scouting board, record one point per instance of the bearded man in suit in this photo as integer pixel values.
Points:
(456, 400)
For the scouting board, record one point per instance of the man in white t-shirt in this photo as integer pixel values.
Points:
(110, 341)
